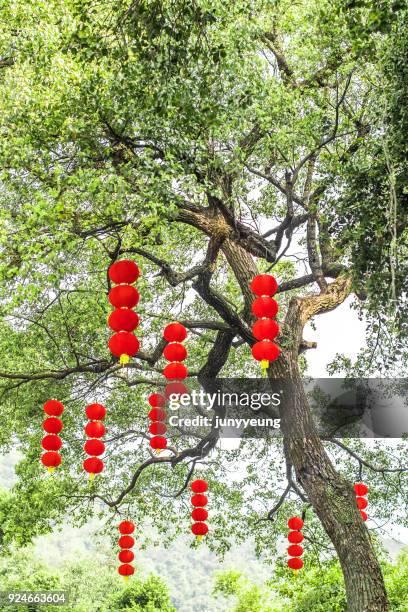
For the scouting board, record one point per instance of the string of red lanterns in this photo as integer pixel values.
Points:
(199, 513)
(95, 429)
(295, 537)
(123, 320)
(157, 426)
(51, 442)
(265, 329)
(126, 542)
(361, 490)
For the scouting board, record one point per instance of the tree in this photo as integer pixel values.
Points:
(215, 134)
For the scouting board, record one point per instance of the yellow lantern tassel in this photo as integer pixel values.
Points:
(126, 578)
(157, 451)
(51, 469)
(124, 359)
(199, 538)
(295, 573)
(264, 366)
(91, 476)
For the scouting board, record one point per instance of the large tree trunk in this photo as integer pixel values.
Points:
(331, 495)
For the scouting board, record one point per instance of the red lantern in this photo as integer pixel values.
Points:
(295, 523)
(95, 412)
(360, 488)
(199, 486)
(295, 537)
(123, 296)
(295, 563)
(94, 447)
(51, 460)
(264, 284)
(175, 352)
(295, 550)
(93, 465)
(123, 345)
(265, 329)
(157, 428)
(175, 370)
(199, 500)
(199, 529)
(53, 408)
(124, 271)
(126, 527)
(123, 319)
(157, 414)
(51, 442)
(126, 541)
(156, 400)
(52, 425)
(175, 388)
(265, 351)
(363, 515)
(95, 429)
(126, 570)
(126, 556)
(175, 332)
(158, 443)
(362, 503)
(265, 307)
(199, 514)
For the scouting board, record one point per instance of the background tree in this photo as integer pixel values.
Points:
(225, 136)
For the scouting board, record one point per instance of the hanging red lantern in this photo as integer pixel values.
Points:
(124, 296)
(175, 370)
(199, 529)
(126, 541)
(265, 329)
(126, 556)
(362, 503)
(51, 442)
(265, 351)
(126, 570)
(51, 460)
(175, 352)
(123, 345)
(95, 429)
(124, 271)
(126, 527)
(199, 486)
(123, 319)
(95, 412)
(294, 550)
(175, 332)
(265, 307)
(52, 425)
(199, 514)
(295, 563)
(93, 465)
(295, 523)
(94, 447)
(53, 408)
(199, 500)
(264, 284)
(157, 429)
(158, 443)
(156, 400)
(360, 489)
(175, 389)
(295, 537)
(157, 414)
